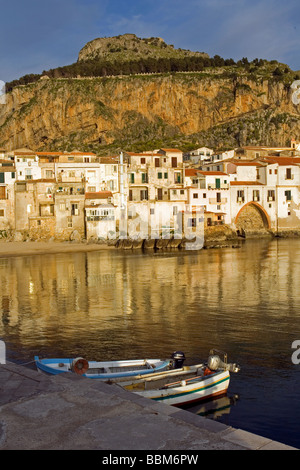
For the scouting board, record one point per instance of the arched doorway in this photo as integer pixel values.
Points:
(251, 218)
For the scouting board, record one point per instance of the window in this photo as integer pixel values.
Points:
(144, 194)
(49, 173)
(166, 176)
(112, 185)
(195, 195)
(131, 178)
(240, 196)
(177, 177)
(288, 195)
(204, 195)
(144, 177)
(192, 222)
(288, 174)
(69, 220)
(1, 212)
(182, 191)
(62, 206)
(143, 160)
(175, 210)
(218, 197)
(256, 195)
(13, 175)
(130, 194)
(151, 211)
(74, 209)
(159, 176)
(271, 195)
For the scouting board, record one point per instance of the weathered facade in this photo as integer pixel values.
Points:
(151, 195)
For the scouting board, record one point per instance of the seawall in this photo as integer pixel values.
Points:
(69, 412)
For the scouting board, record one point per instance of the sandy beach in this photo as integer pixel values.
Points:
(39, 248)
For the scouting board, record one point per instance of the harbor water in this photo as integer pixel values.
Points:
(114, 304)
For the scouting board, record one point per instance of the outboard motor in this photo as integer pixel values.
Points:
(215, 363)
(178, 359)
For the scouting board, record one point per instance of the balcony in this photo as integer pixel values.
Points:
(222, 186)
(214, 200)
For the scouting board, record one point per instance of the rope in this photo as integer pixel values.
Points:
(25, 363)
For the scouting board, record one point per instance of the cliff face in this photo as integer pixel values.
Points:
(130, 112)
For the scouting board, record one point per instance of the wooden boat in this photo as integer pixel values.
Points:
(101, 370)
(185, 386)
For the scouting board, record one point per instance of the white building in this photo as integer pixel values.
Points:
(201, 154)
(27, 165)
(210, 190)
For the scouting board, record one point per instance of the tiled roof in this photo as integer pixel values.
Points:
(213, 173)
(99, 195)
(50, 154)
(282, 161)
(171, 150)
(191, 172)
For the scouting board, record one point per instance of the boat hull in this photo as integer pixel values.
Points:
(189, 392)
(103, 370)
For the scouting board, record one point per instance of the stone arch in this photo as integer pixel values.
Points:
(252, 217)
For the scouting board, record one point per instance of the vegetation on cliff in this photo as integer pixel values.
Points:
(129, 55)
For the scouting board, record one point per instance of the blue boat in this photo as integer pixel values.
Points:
(102, 370)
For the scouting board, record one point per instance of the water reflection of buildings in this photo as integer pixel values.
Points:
(164, 300)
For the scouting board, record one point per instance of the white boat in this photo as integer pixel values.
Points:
(106, 370)
(185, 386)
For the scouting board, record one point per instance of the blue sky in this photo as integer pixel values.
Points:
(40, 34)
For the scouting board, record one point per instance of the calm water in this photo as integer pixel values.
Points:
(112, 304)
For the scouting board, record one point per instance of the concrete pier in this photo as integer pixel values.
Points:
(68, 412)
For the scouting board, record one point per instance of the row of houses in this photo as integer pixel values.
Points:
(155, 194)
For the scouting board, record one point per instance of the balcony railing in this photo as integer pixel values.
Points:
(214, 200)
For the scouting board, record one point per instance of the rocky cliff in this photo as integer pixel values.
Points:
(215, 107)
(128, 47)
